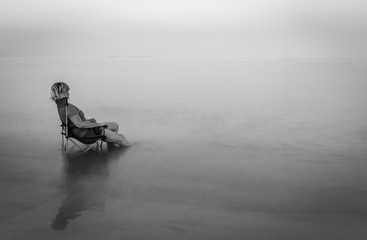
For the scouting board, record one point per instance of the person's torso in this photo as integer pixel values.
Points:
(67, 109)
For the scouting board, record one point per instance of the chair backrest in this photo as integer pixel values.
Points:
(65, 123)
(64, 119)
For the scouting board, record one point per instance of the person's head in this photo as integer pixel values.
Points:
(59, 90)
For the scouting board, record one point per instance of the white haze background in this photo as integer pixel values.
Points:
(178, 28)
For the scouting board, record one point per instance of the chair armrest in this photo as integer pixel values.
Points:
(64, 125)
(65, 129)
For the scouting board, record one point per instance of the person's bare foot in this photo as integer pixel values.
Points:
(126, 144)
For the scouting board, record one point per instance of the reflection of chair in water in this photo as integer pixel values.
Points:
(85, 181)
(67, 133)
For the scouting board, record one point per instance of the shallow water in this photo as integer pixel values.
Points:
(223, 149)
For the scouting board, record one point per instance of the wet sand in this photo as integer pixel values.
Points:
(261, 169)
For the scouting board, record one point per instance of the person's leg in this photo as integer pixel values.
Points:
(113, 137)
(113, 126)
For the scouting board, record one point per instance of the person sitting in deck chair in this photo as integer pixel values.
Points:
(82, 127)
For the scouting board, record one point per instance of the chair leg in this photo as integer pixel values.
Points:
(98, 145)
(66, 146)
(77, 145)
(86, 150)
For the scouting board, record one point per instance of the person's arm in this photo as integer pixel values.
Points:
(79, 123)
(92, 120)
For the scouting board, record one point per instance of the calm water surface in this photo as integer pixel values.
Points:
(223, 149)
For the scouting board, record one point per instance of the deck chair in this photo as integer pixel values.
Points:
(66, 135)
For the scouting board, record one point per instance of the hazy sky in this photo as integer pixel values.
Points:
(183, 28)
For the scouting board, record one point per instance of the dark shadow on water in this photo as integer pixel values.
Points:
(85, 179)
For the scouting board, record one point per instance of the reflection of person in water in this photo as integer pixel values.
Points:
(85, 178)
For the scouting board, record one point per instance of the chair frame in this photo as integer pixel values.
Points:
(65, 137)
